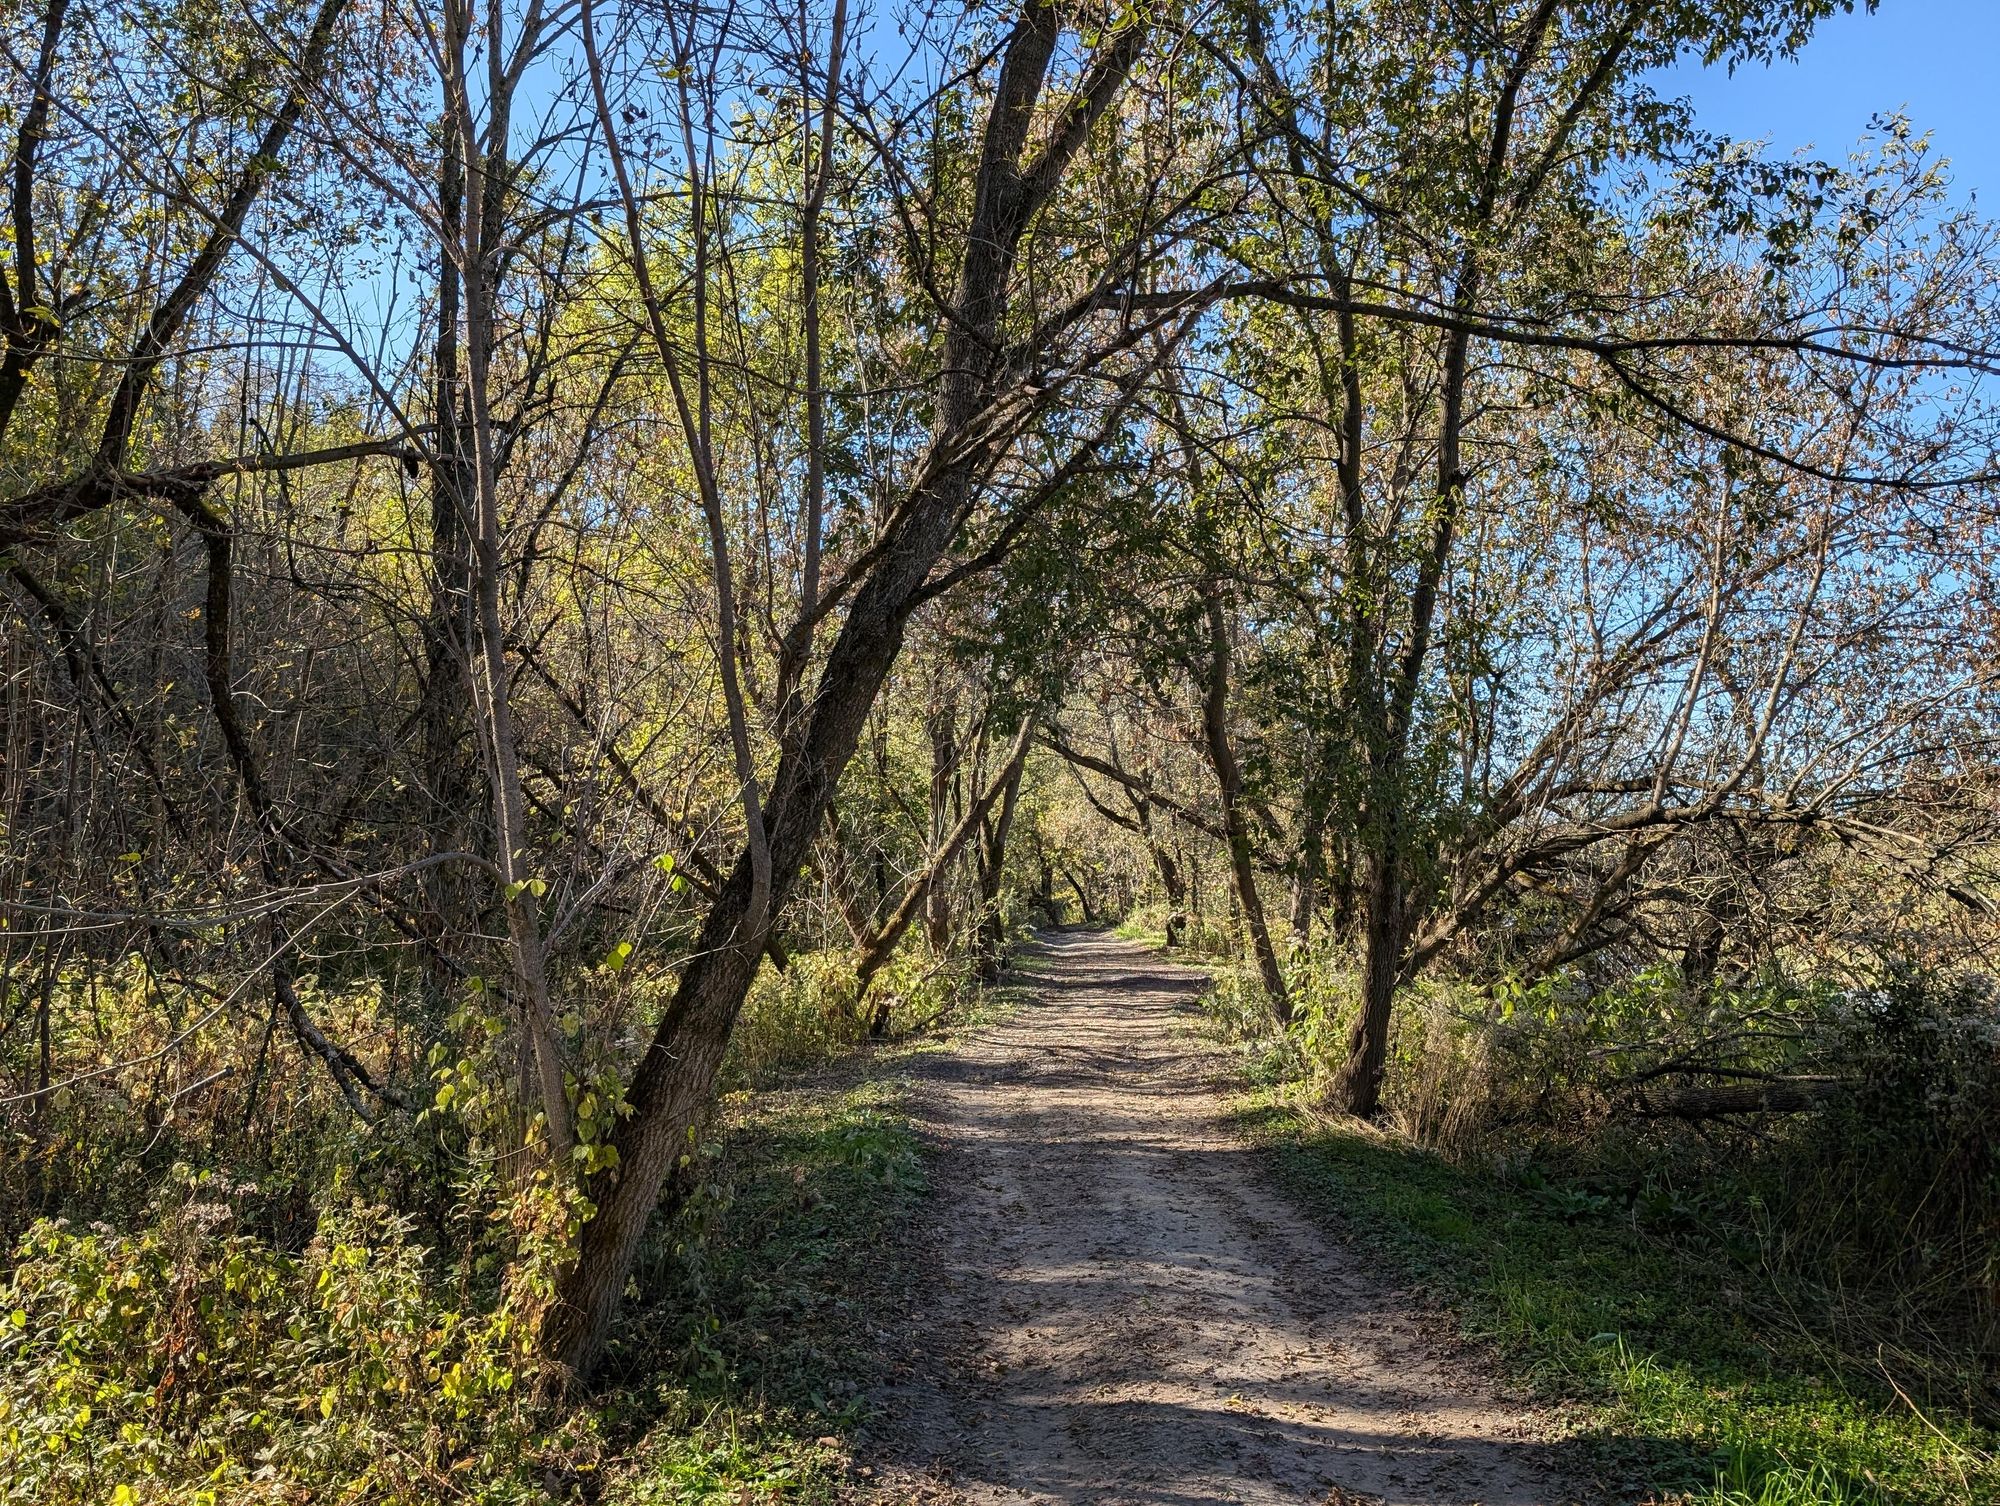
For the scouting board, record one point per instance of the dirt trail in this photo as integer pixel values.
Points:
(1117, 1309)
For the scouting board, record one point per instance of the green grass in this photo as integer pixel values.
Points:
(1688, 1390)
(738, 1375)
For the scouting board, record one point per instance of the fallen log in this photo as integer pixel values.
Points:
(1780, 1095)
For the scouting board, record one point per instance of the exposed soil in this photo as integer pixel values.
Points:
(1116, 1307)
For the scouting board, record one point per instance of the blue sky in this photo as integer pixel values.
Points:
(1933, 59)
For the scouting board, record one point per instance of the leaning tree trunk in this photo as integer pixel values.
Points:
(677, 1074)
(1082, 896)
(675, 1079)
(1781, 1095)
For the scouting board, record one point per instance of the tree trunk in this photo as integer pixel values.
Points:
(1082, 897)
(992, 855)
(1358, 1087)
(451, 783)
(1342, 919)
(482, 234)
(1229, 785)
(1196, 912)
(1307, 877)
(942, 724)
(1172, 887)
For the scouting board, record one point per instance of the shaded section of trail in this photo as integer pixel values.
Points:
(1115, 1308)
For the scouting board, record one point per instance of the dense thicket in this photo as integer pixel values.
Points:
(560, 557)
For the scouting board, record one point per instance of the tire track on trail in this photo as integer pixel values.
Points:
(1110, 1305)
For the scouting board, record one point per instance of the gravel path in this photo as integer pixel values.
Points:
(1111, 1306)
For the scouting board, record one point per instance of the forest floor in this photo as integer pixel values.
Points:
(1118, 1307)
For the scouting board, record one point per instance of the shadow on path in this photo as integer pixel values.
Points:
(1113, 1307)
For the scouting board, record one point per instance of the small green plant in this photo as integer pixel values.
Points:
(1752, 1478)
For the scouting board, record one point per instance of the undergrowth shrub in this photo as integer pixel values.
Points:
(926, 989)
(1241, 1015)
(795, 1019)
(103, 1136)
(1446, 1084)
(1208, 936)
(1917, 1135)
(1897, 1190)
(806, 1016)
(188, 1361)
(1145, 921)
(1884, 1201)
(1872, 1221)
